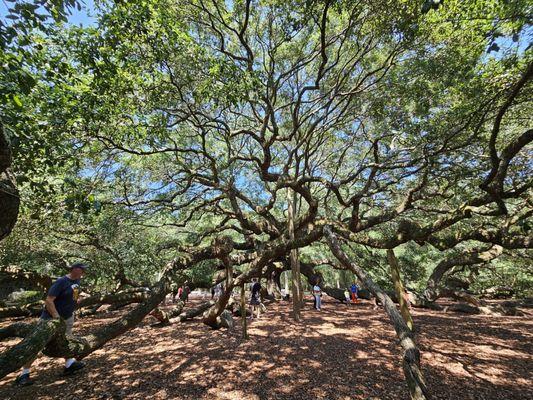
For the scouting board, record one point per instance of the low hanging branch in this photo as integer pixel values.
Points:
(120, 298)
(16, 330)
(48, 336)
(164, 316)
(123, 297)
(411, 354)
(195, 311)
(25, 351)
(23, 278)
(28, 310)
(467, 258)
(61, 346)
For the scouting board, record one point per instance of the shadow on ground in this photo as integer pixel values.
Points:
(343, 352)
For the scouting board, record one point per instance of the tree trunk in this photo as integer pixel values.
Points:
(411, 354)
(274, 284)
(212, 317)
(297, 292)
(243, 313)
(9, 195)
(398, 286)
(17, 330)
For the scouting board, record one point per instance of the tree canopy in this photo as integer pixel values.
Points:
(227, 135)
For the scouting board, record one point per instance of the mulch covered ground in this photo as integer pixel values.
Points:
(343, 352)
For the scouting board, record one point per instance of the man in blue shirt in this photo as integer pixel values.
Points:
(60, 302)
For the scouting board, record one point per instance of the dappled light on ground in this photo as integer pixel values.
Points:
(343, 352)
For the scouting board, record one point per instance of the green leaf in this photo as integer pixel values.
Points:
(17, 100)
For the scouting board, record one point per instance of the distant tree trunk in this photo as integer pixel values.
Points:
(9, 195)
(273, 286)
(297, 292)
(212, 316)
(243, 313)
(398, 286)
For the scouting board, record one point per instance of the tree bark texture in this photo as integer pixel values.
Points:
(398, 286)
(411, 354)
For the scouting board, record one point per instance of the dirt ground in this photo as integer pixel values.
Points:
(343, 352)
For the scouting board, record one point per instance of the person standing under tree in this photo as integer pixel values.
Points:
(175, 291)
(255, 300)
(218, 290)
(317, 293)
(354, 289)
(185, 293)
(347, 296)
(60, 302)
(178, 294)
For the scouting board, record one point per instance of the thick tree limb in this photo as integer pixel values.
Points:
(411, 355)
(125, 297)
(398, 286)
(25, 351)
(25, 278)
(164, 316)
(28, 310)
(16, 330)
(195, 311)
(468, 257)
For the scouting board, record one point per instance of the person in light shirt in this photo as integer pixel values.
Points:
(317, 293)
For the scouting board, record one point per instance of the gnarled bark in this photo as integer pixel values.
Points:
(28, 310)
(195, 311)
(16, 330)
(164, 316)
(25, 351)
(212, 316)
(124, 297)
(411, 355)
